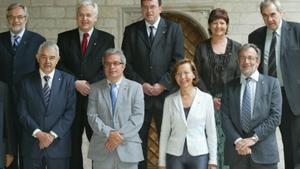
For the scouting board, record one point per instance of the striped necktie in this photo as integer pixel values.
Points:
(46, 90)
(272, 57)
(16, 43)
(246, 107)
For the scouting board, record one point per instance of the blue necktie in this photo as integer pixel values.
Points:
(16, 43)
(272, 57)
(113, 95)
(246, 107)
(46, 90)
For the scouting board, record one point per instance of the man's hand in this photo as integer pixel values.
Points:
(157, 89)
(243, 147)
(45, 139)
(115, 138)
(148, 89)
(83, 87)
(9, 158)
(217, 103)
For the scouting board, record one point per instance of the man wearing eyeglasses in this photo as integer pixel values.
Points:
(251, 111)
(280, 45)
(81, 50)
(116, 114)
(17, 55)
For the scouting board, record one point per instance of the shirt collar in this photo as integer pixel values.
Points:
(89, 32)
(117, 83)
(42, 74)
(19, 34)
(155, 23)
(254, 77)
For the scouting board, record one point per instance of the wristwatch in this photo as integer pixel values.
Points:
(255, 138)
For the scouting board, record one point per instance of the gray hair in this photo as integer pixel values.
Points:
(114, 51)
(17, 5)
(266, 3)
(49, 45)
(88, 3)
(248, 46)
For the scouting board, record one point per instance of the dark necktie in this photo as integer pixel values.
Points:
(16, 43)
(84, 43)
(272, 57)
(113, 95)
(246, 107)
(151, 35)
(46, 90)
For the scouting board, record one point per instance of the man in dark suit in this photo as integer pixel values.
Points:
(282, 61)
(46, 109)
(17, 57)
(251, 111)
(152, 47)
(7, 132)
(81, 50)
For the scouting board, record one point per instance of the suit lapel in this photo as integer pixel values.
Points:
(56, 83)
(284, 39)
(122, 95)
(142, 33)
(161, 31)
(258, 95)
(236, 103)
(38, 85)
(106, 96)
(75, 42)
(92, 43)
(179, 106)
(7, 42)
(23, 42)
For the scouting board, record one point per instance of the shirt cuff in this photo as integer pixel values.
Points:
(237, 140)
(35, 132)
(53, 134)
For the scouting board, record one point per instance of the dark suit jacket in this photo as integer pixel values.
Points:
(88, 67)
(152, 64)
(265, 118)
(289, 59)
(57, 117)
(7, 132)
(13, 68)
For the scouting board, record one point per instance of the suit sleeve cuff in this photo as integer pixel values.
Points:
(35, 132)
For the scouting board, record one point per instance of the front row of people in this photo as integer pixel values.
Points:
(251, 111)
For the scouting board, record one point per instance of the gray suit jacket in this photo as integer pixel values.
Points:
(128, 119)
(265, 118)
(289, 59)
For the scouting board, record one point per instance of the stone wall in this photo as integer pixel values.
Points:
(49, 17)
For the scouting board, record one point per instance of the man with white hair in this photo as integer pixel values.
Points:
(81, 50)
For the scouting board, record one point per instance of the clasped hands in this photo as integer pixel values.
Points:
(114, 139)
(153, 90)
(83, 87)
(243, 146)
(45, 139)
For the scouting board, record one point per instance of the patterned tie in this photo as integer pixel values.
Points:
(246, 107)
(151, 35)
(84, 43)
(46, 90)
(16, 43)
(272, 57)
(113, 95)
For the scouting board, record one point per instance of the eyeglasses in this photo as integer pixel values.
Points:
(19, 17)
(250, 58)
(107, 64)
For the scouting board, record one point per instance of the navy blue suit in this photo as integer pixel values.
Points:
(57, 116)
(13, 67)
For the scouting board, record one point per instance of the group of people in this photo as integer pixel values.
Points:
(220, 110)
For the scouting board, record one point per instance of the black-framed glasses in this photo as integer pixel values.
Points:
(19, 17)
(107, 64)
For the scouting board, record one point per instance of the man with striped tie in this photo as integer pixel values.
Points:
(46, 109)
